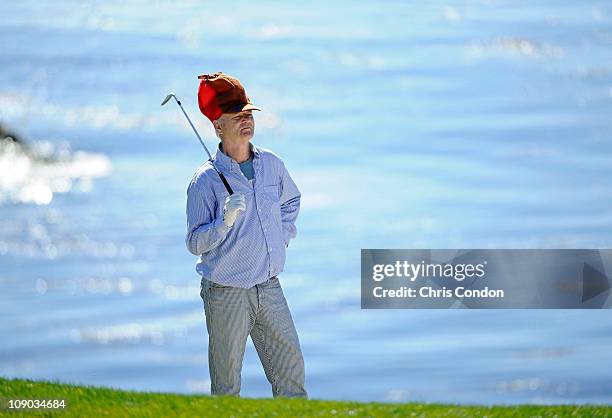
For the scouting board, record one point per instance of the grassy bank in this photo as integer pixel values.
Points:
(87, 401)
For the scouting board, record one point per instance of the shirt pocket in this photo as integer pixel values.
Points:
(272, 192)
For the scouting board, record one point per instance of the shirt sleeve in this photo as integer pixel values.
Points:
(290, 205)
(204, 231)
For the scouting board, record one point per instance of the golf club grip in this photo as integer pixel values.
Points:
(226, 184)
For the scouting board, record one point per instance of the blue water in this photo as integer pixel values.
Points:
(456, 125)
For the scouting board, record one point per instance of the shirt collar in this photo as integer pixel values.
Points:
(225, 163)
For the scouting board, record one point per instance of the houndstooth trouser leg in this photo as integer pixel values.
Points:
(232, 314)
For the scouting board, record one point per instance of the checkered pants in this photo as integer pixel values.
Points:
(232, 313)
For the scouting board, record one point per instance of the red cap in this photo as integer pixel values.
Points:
(219, 94)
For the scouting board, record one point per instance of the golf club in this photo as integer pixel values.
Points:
(223, 179)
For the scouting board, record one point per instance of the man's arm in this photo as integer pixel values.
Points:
(204, 231)
(290, 205)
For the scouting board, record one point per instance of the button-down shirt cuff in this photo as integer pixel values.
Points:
(218, 234)
(221, 228)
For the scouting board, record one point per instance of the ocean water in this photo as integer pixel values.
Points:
(475, 124)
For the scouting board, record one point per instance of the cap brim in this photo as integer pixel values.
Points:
(240, 107)
(249, 106)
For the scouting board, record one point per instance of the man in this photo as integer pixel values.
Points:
(241, 240)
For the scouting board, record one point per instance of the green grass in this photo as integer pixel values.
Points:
(88, 401)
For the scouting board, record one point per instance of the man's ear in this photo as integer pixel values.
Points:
(218, 127)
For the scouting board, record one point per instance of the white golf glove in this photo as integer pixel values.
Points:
(234, 204)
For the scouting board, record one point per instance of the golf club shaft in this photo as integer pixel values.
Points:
(193, 127)
(223, 179)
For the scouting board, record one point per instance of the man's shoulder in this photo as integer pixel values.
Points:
(203, 174)
(269, 156)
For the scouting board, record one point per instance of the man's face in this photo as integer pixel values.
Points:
(236, 126)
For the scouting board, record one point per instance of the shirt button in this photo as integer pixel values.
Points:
(270, 249)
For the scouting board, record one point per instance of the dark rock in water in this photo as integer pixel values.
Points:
(11, 140)
(33, 171)
(6, 135)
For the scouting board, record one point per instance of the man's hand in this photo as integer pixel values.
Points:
(234, 204)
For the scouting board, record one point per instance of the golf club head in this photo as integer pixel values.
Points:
(168, 97)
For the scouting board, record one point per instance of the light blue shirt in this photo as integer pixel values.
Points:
(253, 249)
